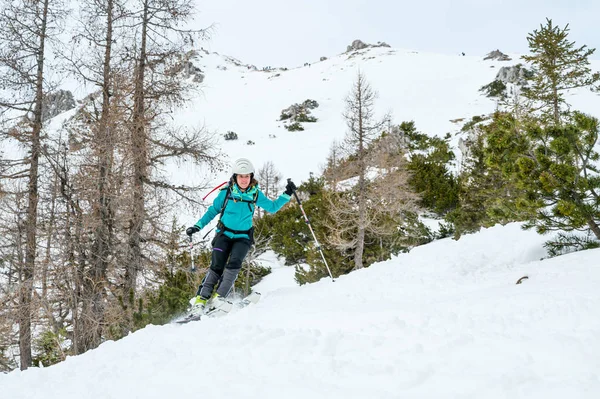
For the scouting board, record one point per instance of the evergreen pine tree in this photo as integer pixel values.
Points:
(560, 176)
(558, 65)
(488, 191)
(430, 158)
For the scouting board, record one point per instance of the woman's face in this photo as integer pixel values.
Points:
(243, 181)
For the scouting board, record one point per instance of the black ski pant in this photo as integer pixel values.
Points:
(227, 257)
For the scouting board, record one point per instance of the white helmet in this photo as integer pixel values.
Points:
(243, 167)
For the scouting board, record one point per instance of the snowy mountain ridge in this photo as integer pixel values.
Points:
(443, 321)
(440, 93)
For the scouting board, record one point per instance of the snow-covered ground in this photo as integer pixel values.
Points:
(440, 93)
(443, 321)
(431, 89)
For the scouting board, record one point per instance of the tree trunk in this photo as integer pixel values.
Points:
(27, 275)
(51, 227)
(93, 283)
(139, 153)
(362, 211)
(594, 227)
(556, 107)
(362, 217)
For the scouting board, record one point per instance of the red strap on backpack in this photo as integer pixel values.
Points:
(219, 186)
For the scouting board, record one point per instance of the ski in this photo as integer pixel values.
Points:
(248, 300)
(188, 318)
(253, 298)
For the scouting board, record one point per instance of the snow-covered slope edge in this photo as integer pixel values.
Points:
(443, 321)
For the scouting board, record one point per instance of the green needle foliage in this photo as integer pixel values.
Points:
(560, 176)
(429, 160)
(557, 65)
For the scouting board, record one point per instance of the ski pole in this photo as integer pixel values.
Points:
(312, 231)
(192, 253)
(206, 235)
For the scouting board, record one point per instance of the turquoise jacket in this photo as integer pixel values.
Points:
(238, 214)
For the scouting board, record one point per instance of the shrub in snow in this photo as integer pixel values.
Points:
(305, 118)
(495, 89)
(230, 135)
(297, 113)
(294, 127)
(474, 121)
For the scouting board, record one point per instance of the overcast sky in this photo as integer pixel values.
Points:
(290, 33)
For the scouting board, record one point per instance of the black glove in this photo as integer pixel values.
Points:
(290, 188)
(191, 230)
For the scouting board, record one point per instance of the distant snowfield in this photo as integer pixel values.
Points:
(443, 321)
(430, 89)
(438, 92)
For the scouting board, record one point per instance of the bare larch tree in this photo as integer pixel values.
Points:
(25, 27)
(363, 128)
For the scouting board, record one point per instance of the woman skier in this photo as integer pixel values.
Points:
(234, 234)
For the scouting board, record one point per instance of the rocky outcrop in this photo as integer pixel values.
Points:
(56, 103)
(497, 55)
(190, 70)
(509, 80)
(186, 68)
(297, 113)
(359, 45)
(515, 74)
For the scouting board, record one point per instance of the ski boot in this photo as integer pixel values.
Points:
(218, 306)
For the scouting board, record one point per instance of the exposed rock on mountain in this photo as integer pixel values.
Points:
(187, 69)
(359, 45)
(296, 113)
(497, 55)
(56, 103)
(516, 74)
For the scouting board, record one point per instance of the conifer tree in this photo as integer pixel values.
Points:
(540, 163)
(488, 191)
(270, 180)
(557, 65)
(559, 174)
(362, 130)
(558, 171)
(99, 26)
(26, 29)
(376, 205)
(159, 40)
(544, 174)
(430, 158)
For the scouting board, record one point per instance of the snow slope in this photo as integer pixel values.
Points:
(443, 321)
(430, 89)
(439, 93)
